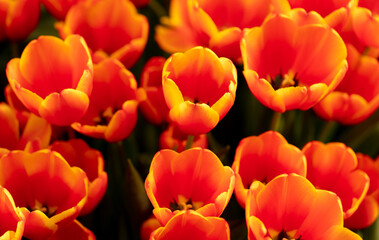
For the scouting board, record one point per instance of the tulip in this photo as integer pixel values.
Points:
(193, 179)
(47, 190)
(77, 153)
(112, 29)
(368, 210)
(12, 222)
(262, 158)
(334, 167)
(292, 62)
(290, 207)
(192, 225)
(18, 18)
(53, 78)
(153, 105)
(199, 89)
(112, 112)
(217, 25)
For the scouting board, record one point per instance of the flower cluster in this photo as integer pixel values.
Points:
(125, 121)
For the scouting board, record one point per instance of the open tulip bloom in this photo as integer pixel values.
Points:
(292, 64)
(193, 179)
(60, 94)
(199, 88)
(47, 190)
(290, 207)
(262, 158)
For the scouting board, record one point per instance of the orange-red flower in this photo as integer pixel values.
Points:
(365, 22)
(289, 207)
(189, 224)
(47, 190)
(199, 89)
(292, 61)
(368, 210)
(53, 78)
(59, 8)
(148, 226)
(111, 29)
(214, 24)
(22, 112)
(73, 230)
(12, 222)
(357, 96)
(32, 136)
(112, 111)
(18, 18)
(322, 7)
(262, 158)
(193, 179)
(153, 105)
(333, 167)
(174, 139)
(77, 153)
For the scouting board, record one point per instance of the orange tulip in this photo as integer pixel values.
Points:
(53, 78)
(199, 89)
(365, 22)
(193, 179)
(112, 112)
(73, 230)
(368, 210)
(214, 24)
(323, 7)
(153, 106)
(77, 153)
(357, 96)
(12, 222)
(174, 139)
(289, 207)
(111, 29)
(262, 158)
(18, 18)
(21, 111)
(292, 62)
(189, 224)
(34, 135)
(59, 8)
(47, 190)
(333, 167)
(149, 226)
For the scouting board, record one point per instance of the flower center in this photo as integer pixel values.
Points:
(184, 204)
(105, 117)
(48, 211)
(282, 81)
(283, 235)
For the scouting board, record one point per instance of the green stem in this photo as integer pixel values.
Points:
(327, 131)
(157, 8)
(275, 122)
(189, 143)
